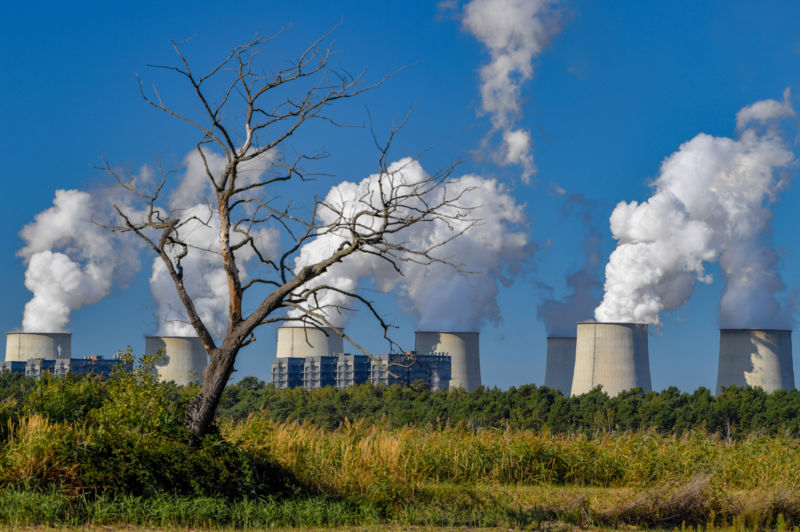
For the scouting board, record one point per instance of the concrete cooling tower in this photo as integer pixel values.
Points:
(464, 351)
(21, 346)
(184, 358)
(308, 342)
(755, 357)
(560, 363)
(613, 355)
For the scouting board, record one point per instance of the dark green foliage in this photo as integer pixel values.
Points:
(82, 450)
(121, 435)
(735, 413)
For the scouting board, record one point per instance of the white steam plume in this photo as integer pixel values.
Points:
(492, 251)
(203, 273)
(766, 110)
(440, 296)
(711, 202)
(514, 32)
(561, 315)
(71, 260)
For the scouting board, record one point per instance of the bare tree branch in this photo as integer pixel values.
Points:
(247, 117)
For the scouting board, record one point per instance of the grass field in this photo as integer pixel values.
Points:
(372, 476)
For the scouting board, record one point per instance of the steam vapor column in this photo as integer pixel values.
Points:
(614, 355)
(305, 342)
(21, 346)
(755, 357)
(464, 351)
(560, 363)
(184, 358)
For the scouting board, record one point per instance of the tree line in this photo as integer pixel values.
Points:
(737, 412)
(734, 413)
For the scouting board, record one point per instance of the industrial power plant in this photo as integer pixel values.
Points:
(611, 355)
(755, 357)
(182, 360)
(560, 363)
(313, 357)
(21, 346)
(614, 356)
(34, 353)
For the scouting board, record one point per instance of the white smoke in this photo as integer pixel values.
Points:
(561, 315)
(514, 32)
(711, 203)
(490, 252)
(442, 297)
(71, 260)
(203, 273)
(766, 110)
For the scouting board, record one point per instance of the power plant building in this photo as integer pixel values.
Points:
(308, 341)
(346, 370)
(35, 367)
(560, 365)
(22, 346)
(612, 355)
(755, 357)
(89, 365)
(319, 371)
(463, 348)
(13, 366)
(183, 358)
(352, 370)
(287, 372)
(407, 368)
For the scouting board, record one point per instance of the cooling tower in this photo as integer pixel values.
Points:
(21, 346)
(755, 357)
(308, 342)
(613, 355)
(464, 351)
(184, 358)
(560, 363)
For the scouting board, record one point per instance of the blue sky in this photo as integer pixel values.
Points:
(620, 88)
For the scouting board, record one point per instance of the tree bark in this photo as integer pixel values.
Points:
(200, 413)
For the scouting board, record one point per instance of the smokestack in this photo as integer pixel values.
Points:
(21, 346)
(308, 341)
(613, 355)
(464, 351)
(560, 363)
(755, 357)
(184, 358)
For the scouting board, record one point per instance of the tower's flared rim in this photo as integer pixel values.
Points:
(41, 333)
(446, 332)
(310, 327)
(612, 323)
(169, 336)
(749, 329)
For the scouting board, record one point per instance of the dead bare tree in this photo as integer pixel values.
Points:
(245, 115)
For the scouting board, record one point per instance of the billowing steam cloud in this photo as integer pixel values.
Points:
(711, 202)
(203, 273)
(442, 298)
(71, 260)
(766, 110)
(489, 252)
(515, 32)
(561, 315)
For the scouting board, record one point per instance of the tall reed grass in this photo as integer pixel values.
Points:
(378, 462)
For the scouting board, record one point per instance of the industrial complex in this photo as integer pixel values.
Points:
(611, 355)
